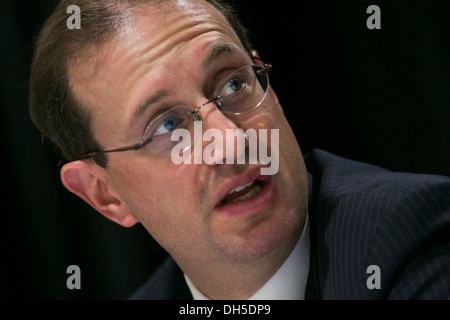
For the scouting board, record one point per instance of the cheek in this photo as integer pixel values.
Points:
(270, 116)
(147, 187)
(163, 196)
(292, 170)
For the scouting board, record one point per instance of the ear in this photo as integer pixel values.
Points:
(90, 182)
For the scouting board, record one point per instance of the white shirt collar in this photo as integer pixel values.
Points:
(288, 283)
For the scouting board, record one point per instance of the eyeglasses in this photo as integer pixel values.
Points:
(240, 92)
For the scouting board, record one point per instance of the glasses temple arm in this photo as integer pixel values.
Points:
(129, 148)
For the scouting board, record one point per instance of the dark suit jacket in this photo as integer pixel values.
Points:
(362, 215)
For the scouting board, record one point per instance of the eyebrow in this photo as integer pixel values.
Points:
(154, 98)
(214, 53)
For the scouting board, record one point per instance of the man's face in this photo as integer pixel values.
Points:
(183, 50)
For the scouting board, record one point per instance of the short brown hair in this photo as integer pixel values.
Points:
(54, 108)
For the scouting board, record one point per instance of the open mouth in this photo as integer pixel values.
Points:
(243, 192)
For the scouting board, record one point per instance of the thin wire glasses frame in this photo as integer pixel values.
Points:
(259, 70)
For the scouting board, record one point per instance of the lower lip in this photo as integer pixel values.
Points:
(247, 207)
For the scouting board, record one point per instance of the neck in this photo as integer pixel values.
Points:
(236, 280)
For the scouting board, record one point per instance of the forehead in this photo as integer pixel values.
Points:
(155, 28)
(164, 28)
(155, 38)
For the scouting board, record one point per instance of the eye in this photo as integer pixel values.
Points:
(165, 126)
(238, 81)
(232, 86)
(162, 127)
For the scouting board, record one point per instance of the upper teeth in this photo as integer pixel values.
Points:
(237, 189)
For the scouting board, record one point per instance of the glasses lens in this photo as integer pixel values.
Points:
(240, 91)
(161, 129)
(243, 89)
(262, 76)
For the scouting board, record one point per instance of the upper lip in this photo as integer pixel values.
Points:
(250, 175)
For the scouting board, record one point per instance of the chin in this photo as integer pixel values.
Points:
(270, 237)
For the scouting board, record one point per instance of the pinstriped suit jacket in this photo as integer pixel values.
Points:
(360, 216)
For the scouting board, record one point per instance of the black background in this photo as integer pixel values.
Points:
(378, 96)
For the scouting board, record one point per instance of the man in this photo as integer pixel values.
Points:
(112, 94)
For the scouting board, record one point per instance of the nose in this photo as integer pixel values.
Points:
(223, 141)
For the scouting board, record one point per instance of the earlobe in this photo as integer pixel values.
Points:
(88, 181)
